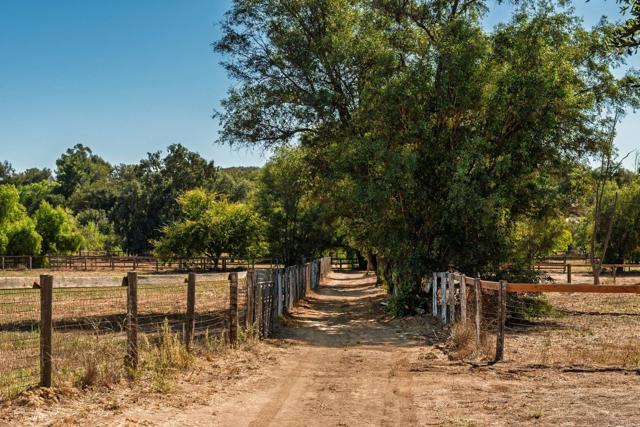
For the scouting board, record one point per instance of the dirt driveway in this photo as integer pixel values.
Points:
(340, 361)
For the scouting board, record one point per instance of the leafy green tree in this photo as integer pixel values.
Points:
(31, 176)
(236, 183)
(79, 166)
(6, 172)
(58, 228)
(297, 223)
(17, 231)
(626, 36)
(622, 204)
(211, 227)
(149, 190)
(98, 231)
(31, 195)
(432, 137)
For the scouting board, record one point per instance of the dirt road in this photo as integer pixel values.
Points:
(340, 361)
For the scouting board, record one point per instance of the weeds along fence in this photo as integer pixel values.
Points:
(100, 335)
(538, 324)
(124, 263)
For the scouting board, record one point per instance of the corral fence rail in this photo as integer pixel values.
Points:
(341, 264)
(493, 312)
(53, 335)
(124, 263)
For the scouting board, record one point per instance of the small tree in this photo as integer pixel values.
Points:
(18, 235)
(210, 226)
(58, 228)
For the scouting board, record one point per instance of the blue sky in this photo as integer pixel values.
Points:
(129, 77)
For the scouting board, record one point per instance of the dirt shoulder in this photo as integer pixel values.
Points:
(340, 361)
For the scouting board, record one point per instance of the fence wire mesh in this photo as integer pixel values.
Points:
(573, 329)
(89, 337)
(19, 340)
(96, 331)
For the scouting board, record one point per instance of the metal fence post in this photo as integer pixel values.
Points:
(46, 329)
(131, 360)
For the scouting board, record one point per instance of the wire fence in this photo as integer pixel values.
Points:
(125, 263)
(539, 324)
(19, 339)
(98, 335)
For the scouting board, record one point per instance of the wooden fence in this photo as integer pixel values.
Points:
(483, 305)
(125, 263)
(50, 334)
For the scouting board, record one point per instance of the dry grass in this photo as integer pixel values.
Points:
(587, 330)
(89, 337)
(461, 344)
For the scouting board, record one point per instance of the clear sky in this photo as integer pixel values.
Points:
(128, 77)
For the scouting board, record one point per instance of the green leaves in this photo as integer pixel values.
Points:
(17, 231)
(297, 223)
(59, 230)
(211, 226)
(437, 143)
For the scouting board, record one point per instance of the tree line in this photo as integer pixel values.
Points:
(172, 204)
(436, 142)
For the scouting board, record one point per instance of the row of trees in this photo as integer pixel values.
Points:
(105, 207)
(436, 143)
(176, 205)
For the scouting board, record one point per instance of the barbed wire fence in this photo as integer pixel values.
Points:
(538, 324)
(53, 335)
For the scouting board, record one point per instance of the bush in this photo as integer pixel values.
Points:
(404, 301)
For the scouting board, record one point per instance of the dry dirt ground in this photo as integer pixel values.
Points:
(340, 361)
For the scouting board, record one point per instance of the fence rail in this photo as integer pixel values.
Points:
(344, 263)
(56, 335)
(125, 263)
(489, 311)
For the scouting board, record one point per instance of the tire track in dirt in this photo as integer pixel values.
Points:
(282, 395)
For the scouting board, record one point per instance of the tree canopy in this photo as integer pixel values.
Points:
(435, 140)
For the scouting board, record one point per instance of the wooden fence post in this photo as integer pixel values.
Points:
(568, 273)
(3, 262)
(434, 295)
(30, 262)
(463, 299)
(131, 360)
(502, 317)
(233, 308)
(191, 309)
(46, 330)
(452, 298)
(478, 292)
(443, 297)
